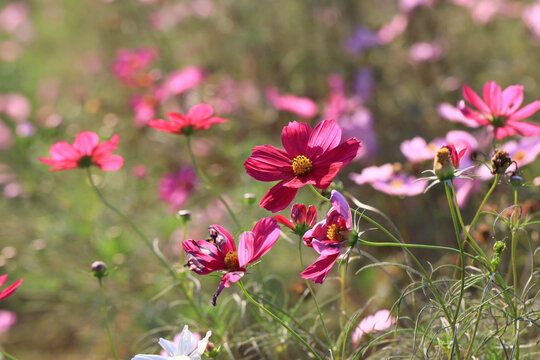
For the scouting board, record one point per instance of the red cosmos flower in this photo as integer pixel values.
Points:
(302, 219)
(499, 110)
(84, 152)
(310, 157)
(10, 289)
(330, 238)
(219, 253)
(198, 117)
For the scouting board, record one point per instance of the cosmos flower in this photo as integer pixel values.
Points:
(199, 117)
(330, 238)
(381, 320)
(311, 157)
(183, 80)
(219, 252)
(85, 151)
(174, 188)
(389, 179)
(361, 40)
(10, 289)
(302, 218)
(301, 106)
(130, 66)
(188, 347)
(499, 110)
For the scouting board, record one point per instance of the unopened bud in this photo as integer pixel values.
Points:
(499, 247)
(516, 180)
(99, 269)
(442, 164)
(500, 161)
(249, 199)
(184, 215)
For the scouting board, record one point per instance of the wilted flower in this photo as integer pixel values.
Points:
(499, 110)
(188, 347)
(219, 253)
(84, 152)
(199, 117)
(500, 161)
(381, 320)
(311, 157)
(174, 188)
(10, 289)
(301, 106)
(331, 238)
(302, 219)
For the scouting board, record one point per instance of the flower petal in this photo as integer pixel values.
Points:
(320, 268)
(64, 151)
(493, 97)
(268, 163)
(278, 197)
(525, 111)
(229, 277)
(253, 245)
(472, 98)
(169, 347)
(85, 142)
(512, 98)
(199, 112)
(283, 220)
(109, 163)
(295, 138)
(339, 203)
(10, 289)
(325, 136)
(326, 167)
(164, 125)
(524, 128)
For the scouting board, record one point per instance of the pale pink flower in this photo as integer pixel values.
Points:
(175, 187)
(425, 52)
(452, 113)
(16, 106)
(6, 137)
(531, 18)
(400, 184)
(183, 80)
(301, 106)
(389, 31)
(410, 5)
(418, 150)
(7, 320)
(145, 106)
(381, 320)
(13, 16)
(372, 174)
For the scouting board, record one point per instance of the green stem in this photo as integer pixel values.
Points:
(106, 315)
(269, 313)
(479, 211)
(7, 356)
(515, 221)
(330, 344)
(477, 322)
(209, 185)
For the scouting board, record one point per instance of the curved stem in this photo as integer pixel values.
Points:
(7, 356)
(330, 344)
(488, 194)
(271, 314)
(209, 185)
(106, 316)
(515, 221)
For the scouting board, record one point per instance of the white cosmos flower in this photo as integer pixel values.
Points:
(188, 348)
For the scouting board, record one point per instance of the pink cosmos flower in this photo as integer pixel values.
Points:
(311, 157)
(198, 117)
(499, 110)
(144, 106)
(130, 66)
(531, 17)
(395, 27)
(424, 52)
(381, 320)
(7, 320)
(84, 152)
(181, 81)
(410, 5)
(10, 289)
(330, 238)
(452, 113)
(302, 219)
(301, 106)
(371, 174)
(400, 184)
(174, 188)
(219, 252)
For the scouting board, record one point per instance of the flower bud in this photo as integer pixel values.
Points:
(249, 199)
(499, 247)
(500, 161)
(184, 215)
(99, 269)
(516, 180)
(442, 164)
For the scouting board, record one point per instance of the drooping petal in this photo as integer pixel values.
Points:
(225, 282)
(85, 142)
(268, 163)
(339, 203)
(320, 268)
(325, 136)
(526, 111)
(512, 98)
(206, 123)
(253, 245)
(295, 138)
(493, 97)
(283, 220)
(278, 197)
(200, 112)
(472, 98)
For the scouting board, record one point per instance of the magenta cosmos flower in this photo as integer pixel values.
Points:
(85, 151)
(500, 110)
(198, 117)
(219, 253)
(174, 188)
(330, 238)
(302, 218)
(10, 289)
(311, 157)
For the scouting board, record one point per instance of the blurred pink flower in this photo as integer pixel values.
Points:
(424, 52)
(410, 5)
(85, 151)
(301, 106)
(372, 174)
(219, 252)
(183, 80)
(10, 289)
(174, 188)
(7, 320)
(381, 320)
(400, 184)
(16, 106)
(25, 129)
(418, 150)
(10, 50)
(13, 16)
(130, 66)
(6, 137)
(199, 117)
(389, 31)
(139, 171)
(145, 106)
(452, 113)
(531, 18)
(499, 110)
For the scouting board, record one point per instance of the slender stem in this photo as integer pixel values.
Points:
(515, 222)
(7, 356)
(106, 315)
(462, 260)
(342, 289)
(209, 184)
(330, 344)
(396, 240)
(477, 322)
(284, 324)
(479, 211)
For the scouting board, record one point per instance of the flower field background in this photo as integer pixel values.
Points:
(398, 76)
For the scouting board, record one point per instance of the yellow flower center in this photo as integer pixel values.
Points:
(301, 165)
(519, 155)
(397, 183)
(334, 233)
(231, 260)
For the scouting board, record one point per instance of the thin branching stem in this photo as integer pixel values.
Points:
(284, 324)
(106, 316)
(488, 194)
(7, 356)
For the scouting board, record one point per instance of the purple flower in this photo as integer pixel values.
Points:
(175, 187)
(361, 40)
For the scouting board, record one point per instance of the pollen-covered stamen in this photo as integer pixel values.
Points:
(231, 260)
(301, 165)
(335, 232)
